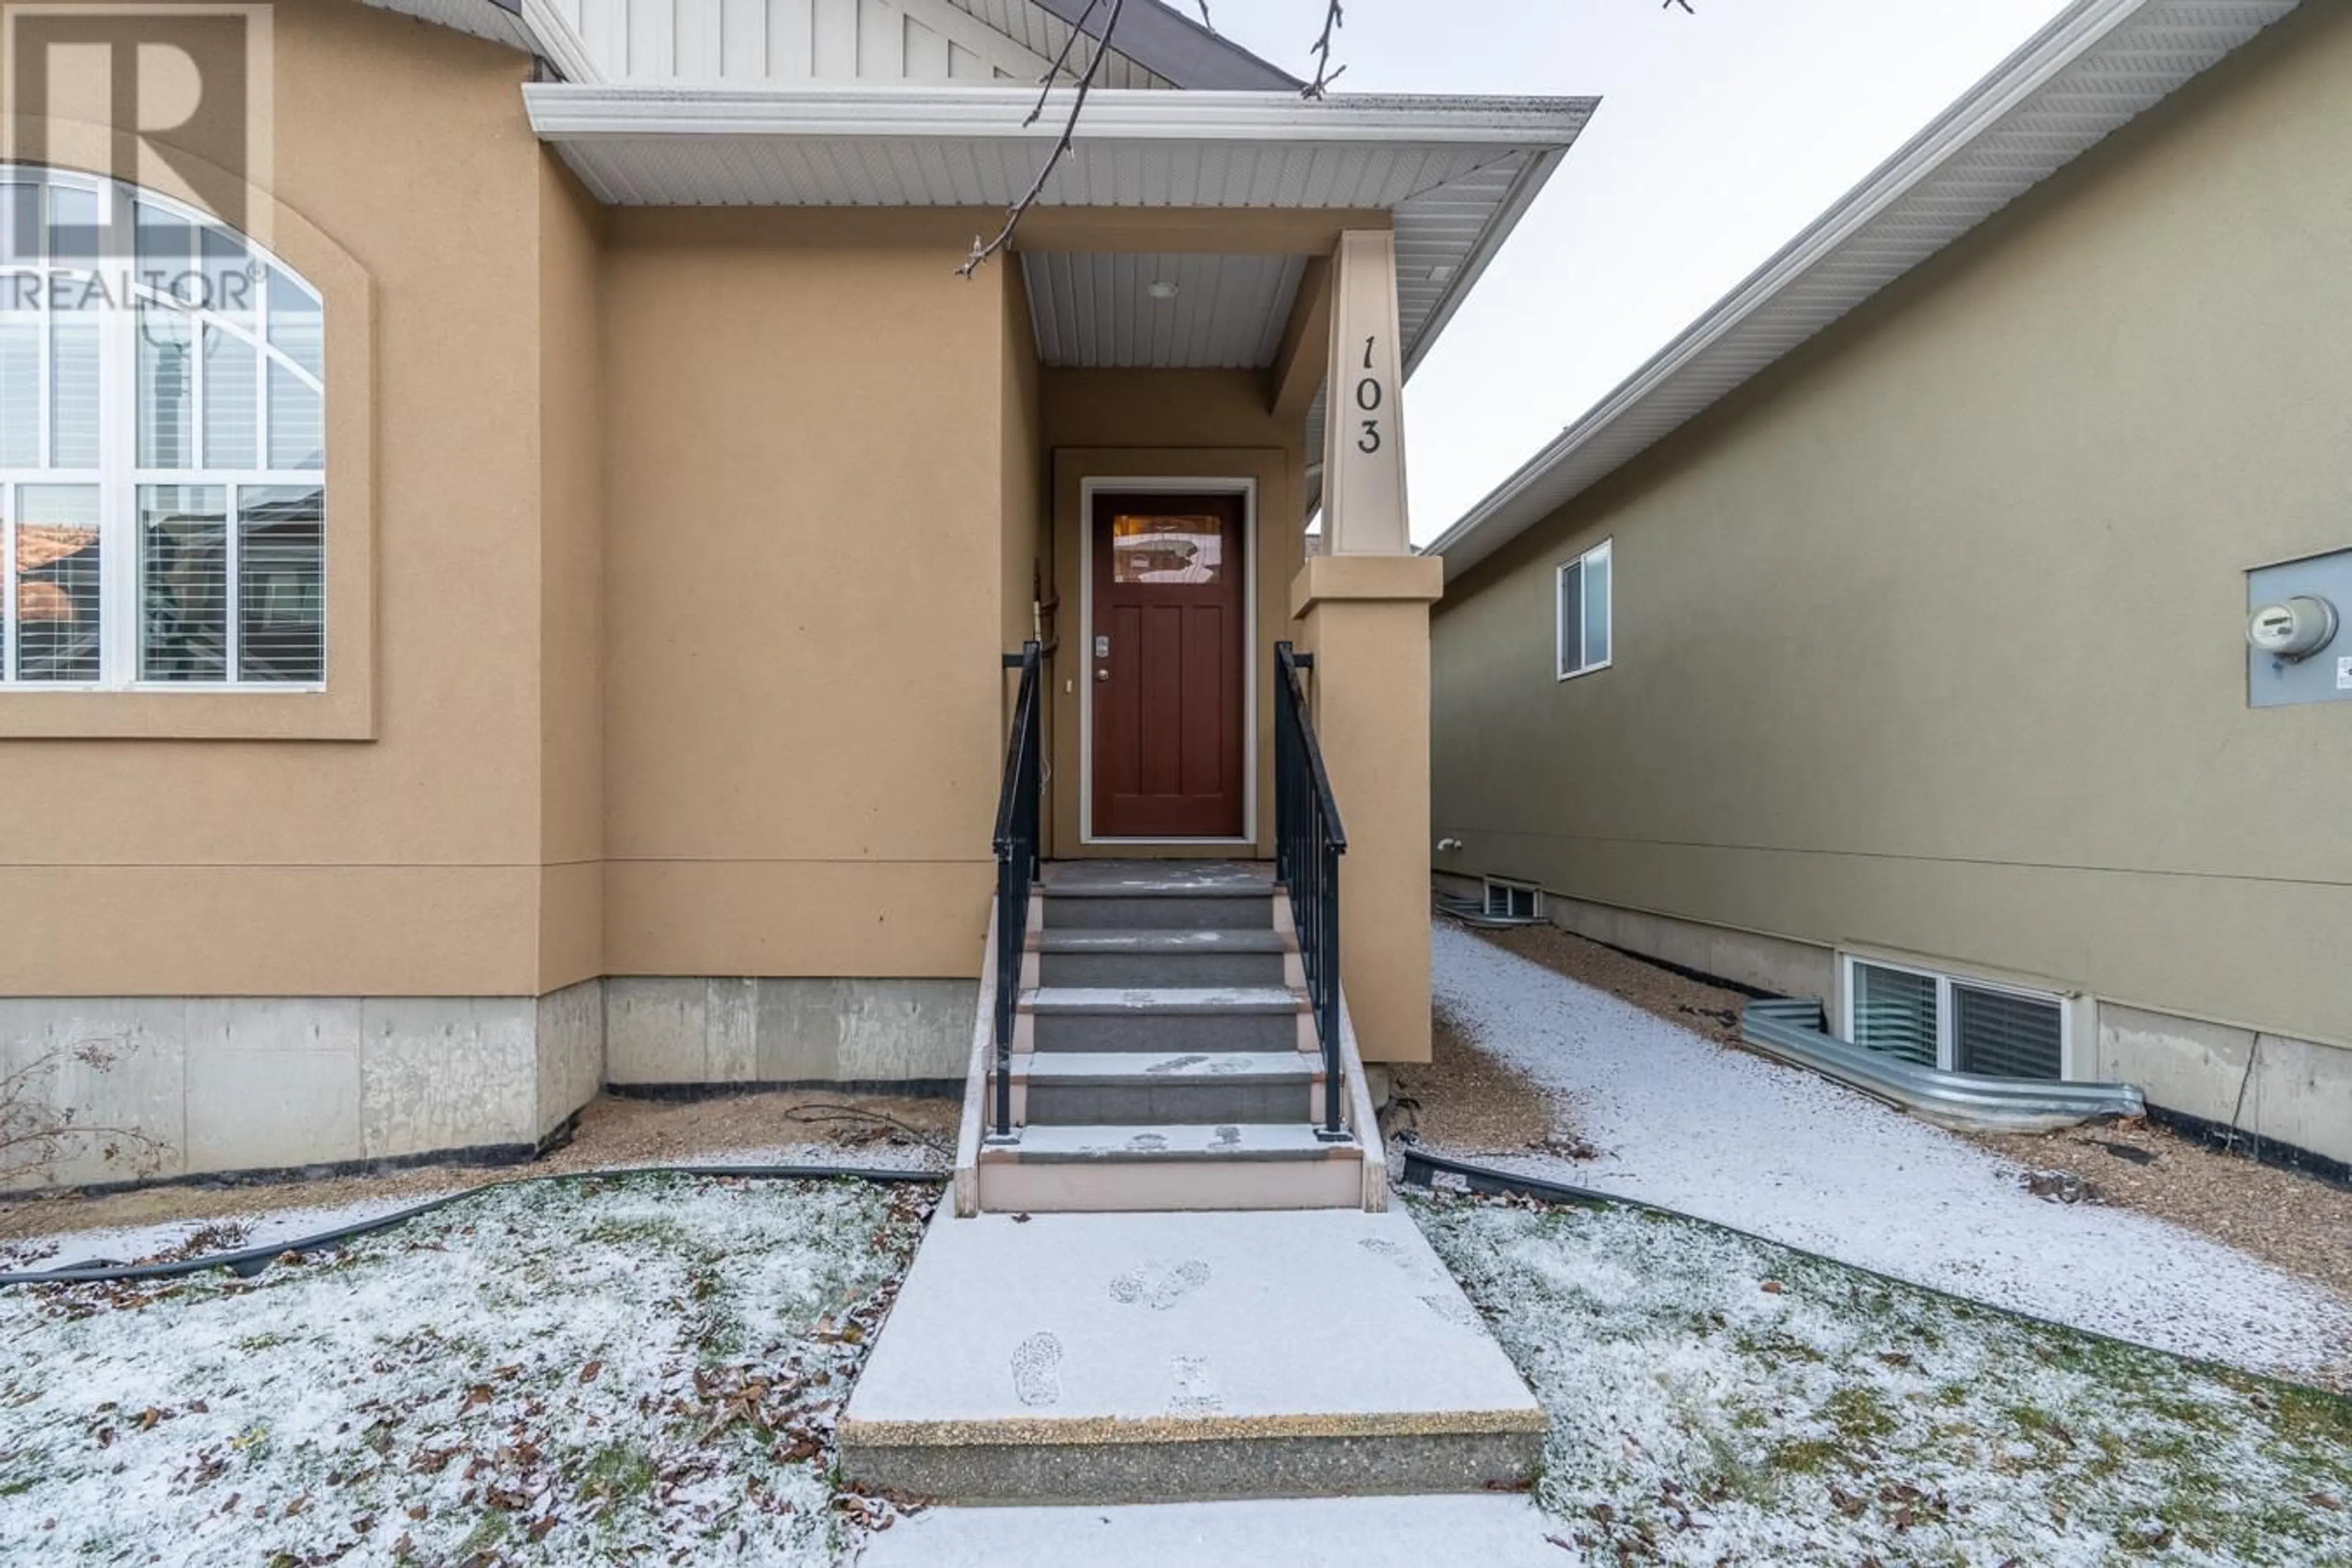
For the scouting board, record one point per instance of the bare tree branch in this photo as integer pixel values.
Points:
(36, 1135)
(1334, 18)
(983, 249)
(1685, 4)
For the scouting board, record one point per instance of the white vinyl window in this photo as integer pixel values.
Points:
(1512, 901)
(1959, 1026)
(162, 430)
(1581, 636)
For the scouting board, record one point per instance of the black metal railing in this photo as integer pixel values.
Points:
(1017, 864)
(1307, 844)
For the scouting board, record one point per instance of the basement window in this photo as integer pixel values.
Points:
(1513, 900)
(1582, 636)
(1959, 1026)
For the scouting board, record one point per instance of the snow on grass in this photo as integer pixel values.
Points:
(599, 1369)
(1718, 1399)
(1682, 1121)
(71, 1244)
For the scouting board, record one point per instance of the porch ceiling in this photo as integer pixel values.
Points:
(1096, 311)
(1454, 174)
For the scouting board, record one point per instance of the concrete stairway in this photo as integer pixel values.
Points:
(1164, 1053)
(1165, 1062)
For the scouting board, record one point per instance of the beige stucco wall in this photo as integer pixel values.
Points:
(409, 863)
(571, 584)
(1932, 638)
(805, 576)
(1112, 424)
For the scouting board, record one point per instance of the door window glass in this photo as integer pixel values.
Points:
(1166, 550)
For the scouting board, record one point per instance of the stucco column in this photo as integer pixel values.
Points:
(1364, 425)
(1366, 622)
(1365, 607)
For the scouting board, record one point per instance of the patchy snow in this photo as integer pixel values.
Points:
(601, 1368)
(1720, 1400)
(70, 1245)
(1682, 1121)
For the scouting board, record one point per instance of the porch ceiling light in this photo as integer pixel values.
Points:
(1160, 290)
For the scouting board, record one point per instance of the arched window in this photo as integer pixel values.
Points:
(162, 433)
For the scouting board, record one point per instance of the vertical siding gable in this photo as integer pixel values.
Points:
(746, 41)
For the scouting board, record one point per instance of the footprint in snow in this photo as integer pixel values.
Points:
(1158, 1286)
(1196, 1389)
(1037, 1371)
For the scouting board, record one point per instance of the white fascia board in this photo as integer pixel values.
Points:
(559, 44)
(566, 111)
(2074, 37)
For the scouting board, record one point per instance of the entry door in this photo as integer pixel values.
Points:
(1165, 664)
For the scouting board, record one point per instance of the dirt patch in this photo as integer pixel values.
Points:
(2292, 1221)
(1709, 1010)
(612, 1131)
(1467, 1102)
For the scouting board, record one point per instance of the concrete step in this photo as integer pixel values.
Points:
(1145, 1089)
(1202, 906)
(1098, 1167)
(1167, 1021)
(1175, 1357)
(1495, 1529)
(1112, 959)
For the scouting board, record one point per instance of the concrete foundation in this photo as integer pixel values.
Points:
(275, 1084)
(252, 1084)
(2269, 1087)
(667, 1033)
(1773, 963)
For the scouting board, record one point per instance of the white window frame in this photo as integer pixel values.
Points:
(1561, 668)
(1490, 886)
(1947, 1051)
(119, 479)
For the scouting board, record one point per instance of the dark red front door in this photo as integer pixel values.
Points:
(1166, 657)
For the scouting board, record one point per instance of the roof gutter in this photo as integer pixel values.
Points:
(1525, 499)
(568, 111)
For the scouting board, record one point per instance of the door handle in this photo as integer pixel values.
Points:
(1102, 674)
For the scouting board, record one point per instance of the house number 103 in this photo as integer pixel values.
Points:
(1369, 395)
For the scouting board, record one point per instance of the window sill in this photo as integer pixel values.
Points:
(175, 714)
(1587, 670)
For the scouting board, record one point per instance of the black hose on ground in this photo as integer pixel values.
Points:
(247, 1262)
(1421, 1169)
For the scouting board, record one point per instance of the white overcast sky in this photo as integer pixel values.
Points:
(1719, 136)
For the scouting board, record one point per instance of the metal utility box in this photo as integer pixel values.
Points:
(2324, 676)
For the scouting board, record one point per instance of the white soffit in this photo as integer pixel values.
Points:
(1455, 172)
(2101, 63)
(1095, 310)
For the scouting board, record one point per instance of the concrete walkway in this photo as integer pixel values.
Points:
(1162, 1357)
(1314, 1532)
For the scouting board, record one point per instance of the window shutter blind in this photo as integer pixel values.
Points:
(1894, 1011)
(2004, 1035)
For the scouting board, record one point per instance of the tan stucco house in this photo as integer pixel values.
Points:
(1898, 636)
(544, 627)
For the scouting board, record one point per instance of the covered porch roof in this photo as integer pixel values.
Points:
(1450, 175)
